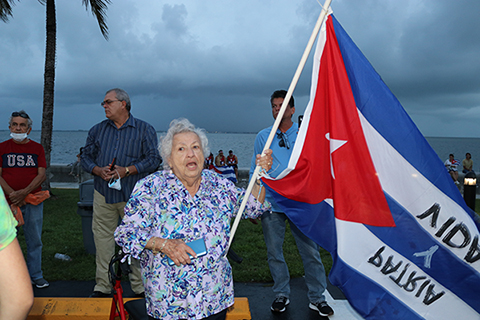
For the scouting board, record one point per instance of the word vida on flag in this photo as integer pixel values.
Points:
(364, 183)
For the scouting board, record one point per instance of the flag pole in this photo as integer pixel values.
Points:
(293, 84)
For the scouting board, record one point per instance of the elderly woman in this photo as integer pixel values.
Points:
(171, 208)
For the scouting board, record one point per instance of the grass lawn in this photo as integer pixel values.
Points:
(249, 245)
(62, 233)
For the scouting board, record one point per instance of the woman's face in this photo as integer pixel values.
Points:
(187, 158)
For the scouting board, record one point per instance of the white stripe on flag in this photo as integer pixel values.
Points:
(356, 245)
(298, 147)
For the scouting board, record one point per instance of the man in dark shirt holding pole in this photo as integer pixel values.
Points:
(119, 151)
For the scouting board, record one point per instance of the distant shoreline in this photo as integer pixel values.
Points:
(81, 130)
(225, 132)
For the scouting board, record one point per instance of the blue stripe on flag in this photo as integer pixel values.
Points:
(462, 279)
(316, 221)
(364, 295)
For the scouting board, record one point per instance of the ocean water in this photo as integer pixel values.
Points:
(66, 144)
(458, 146)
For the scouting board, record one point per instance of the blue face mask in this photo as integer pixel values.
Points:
(19, 136)
(115, 183)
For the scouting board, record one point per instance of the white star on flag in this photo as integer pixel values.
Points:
(334, 145)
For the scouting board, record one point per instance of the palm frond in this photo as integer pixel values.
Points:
(6, 9)
(99, 10)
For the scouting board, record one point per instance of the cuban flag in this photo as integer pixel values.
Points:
(227, 172)
(364, 183)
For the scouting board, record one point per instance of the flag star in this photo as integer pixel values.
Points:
(428, 255)
(334, 145)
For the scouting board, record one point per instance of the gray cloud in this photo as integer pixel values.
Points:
(217, 62)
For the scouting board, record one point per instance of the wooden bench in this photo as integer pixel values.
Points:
(99, 309)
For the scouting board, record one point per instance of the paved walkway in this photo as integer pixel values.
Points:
(260, 297)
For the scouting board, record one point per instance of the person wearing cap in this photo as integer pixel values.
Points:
(22, 172)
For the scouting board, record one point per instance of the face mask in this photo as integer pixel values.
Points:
(19, 136)
(115, 183)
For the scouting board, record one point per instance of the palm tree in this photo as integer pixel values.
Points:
(98, 9)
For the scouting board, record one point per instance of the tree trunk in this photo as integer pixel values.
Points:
(49, 85)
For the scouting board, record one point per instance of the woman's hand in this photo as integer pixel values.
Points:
(265, 161)
(178, 250)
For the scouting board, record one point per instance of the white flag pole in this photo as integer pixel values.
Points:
(293, 84)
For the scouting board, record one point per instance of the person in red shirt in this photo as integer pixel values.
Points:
(232, 161)
(220, 159)
(209, 162)
(22, 172)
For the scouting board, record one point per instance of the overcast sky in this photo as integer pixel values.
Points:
(216, 62)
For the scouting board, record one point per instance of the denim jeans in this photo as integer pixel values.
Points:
(274, 225)
(32, 229)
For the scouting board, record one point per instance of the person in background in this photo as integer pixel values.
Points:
(16, 294)
(119, 151)
(467, 163)
(232, 161)
(274, 221)
(452, 166)
(220, 159)
(75, 171)
(209, 162)
(22, 172)
(173, 207)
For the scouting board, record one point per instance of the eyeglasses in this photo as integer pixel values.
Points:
(283, 143)
(20, 114)
(108, 102)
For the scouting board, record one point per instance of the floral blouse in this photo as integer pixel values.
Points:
(161, 206)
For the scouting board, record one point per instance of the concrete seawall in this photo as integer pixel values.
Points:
(62, 173)
(66, 174)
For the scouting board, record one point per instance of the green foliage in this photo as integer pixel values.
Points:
(250, 246)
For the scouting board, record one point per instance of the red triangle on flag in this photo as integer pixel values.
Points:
(335, 161)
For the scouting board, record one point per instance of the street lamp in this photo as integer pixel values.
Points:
(470, 189)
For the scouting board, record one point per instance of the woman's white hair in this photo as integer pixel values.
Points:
(179, 126)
